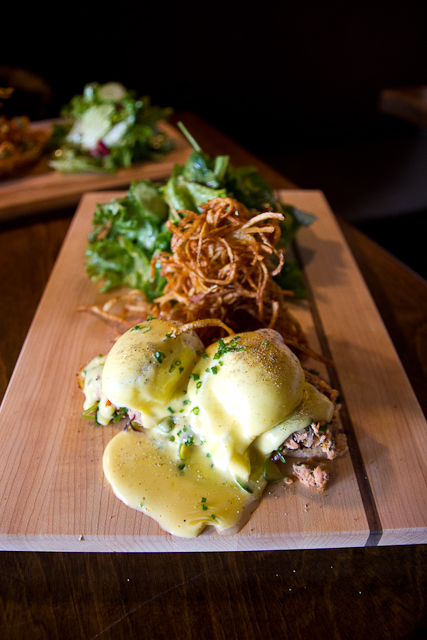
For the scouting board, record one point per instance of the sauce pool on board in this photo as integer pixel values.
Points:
(203, 423)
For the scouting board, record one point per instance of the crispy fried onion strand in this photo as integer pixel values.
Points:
(123, 310)
(221, 266)
(201, 324)
(220, 258)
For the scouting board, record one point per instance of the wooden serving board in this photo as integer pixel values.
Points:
(54, 497)
(43, 189)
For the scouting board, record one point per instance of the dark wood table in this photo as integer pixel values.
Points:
(408, 103)
(371, 592)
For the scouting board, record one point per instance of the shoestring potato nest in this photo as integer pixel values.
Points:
(221, 266)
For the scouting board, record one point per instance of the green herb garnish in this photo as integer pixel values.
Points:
(228, 347)
(244, 486)
(138, 327)
(120, 413)
(91, 412)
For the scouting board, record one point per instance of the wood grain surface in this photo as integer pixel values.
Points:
(371, 592)
(408, 103)
(54, 496)
(43, 189)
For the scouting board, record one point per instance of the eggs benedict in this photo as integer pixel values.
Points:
(203, 424)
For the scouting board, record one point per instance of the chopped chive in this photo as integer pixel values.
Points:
(226, 348)
(199, 384)
(195, 376)
(204, 507)
(171, 410)
(160, 356)
(195, 410)
(138, 327)
(172, 439)
(89, 412)
(181, 369)
(281, 458)
(245, 487)
(186, 401)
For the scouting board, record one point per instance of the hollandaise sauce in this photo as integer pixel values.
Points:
(184, 495)
(202, 422)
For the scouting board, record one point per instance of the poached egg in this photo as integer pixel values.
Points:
(203, 422)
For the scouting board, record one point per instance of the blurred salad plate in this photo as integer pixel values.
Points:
(95, 144)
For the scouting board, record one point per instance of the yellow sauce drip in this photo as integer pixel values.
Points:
(144, 472)
(94, 393)
(211, 419)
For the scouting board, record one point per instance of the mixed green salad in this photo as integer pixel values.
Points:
(108, 127)
(129, 231)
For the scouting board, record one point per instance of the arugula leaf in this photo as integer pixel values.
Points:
(244, 184)
(205, 170)
(148, 197)
(126, 233)
(129, 231)
(181, 194)
(294, 220)
(248, 186)
(291, 279)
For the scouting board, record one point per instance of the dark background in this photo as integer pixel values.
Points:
(296, 83)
